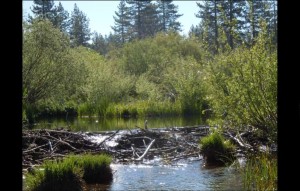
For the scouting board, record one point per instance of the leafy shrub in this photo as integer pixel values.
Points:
(242, 87)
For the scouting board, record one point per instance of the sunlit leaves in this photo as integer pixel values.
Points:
(243, 86)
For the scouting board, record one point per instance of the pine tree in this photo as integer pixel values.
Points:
(257, 11)
(196, 31)
(209, 15)
(168, 14)
(273, 20)
(150, 20)
(263, 11)
(79, 29)
(99, 43)
(144, 18)
(61, 18)
(122, 22)
(43, 9)
(232, 20)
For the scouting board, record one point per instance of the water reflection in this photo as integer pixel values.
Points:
(102, 124)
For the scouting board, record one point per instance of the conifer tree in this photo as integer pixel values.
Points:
(209, 15)
(79, 29)
(99, 43)
(43, 9)
(144, 18)
(122, 22)
(61, 18)
(168, 15)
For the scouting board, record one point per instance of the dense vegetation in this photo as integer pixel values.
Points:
(224, 71)
(260, 173)
(232, 82)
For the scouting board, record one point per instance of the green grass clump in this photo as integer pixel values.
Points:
(70, 173)
(260, 173)
(216, 150)
(96, 168)
(56, 175)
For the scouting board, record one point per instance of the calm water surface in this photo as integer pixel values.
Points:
(101, 124)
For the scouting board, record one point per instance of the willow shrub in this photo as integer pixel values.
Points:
(242, 86)
(185, 79)
(216, 150)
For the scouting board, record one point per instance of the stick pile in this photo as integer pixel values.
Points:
(170, 144)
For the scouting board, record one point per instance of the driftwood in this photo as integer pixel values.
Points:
(169, 144)
(237, 139)
(146, 151)
(172, 144)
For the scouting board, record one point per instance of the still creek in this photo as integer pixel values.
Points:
(185, 174)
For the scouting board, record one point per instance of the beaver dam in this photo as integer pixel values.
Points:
(125, 146)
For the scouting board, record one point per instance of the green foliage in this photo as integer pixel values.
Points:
(260, 173)
(96, 168)
(242, 87)
(56, 175)
(216, 149)
(168, 14)
(184, 79)
(43, 9)
(69, 173)
(45, 61)
(144, 108)
(79, 28)
(103, 85)
(122, 22)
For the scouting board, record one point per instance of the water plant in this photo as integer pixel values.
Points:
(260, 172)
(216, 150)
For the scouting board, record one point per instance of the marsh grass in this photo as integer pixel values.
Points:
(70, 173)
(55, 175)
(96, 168)
(260, 173)
(216, 150)
(143, 108)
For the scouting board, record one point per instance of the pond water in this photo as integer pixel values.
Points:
(189, 175)
(94, 124)
(154, 175)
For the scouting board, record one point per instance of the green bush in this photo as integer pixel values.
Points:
(217, 150)
(242, 87)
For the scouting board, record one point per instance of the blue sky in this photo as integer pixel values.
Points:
(101, 13)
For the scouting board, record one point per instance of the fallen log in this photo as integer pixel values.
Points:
(146, 151)
(238, 139)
